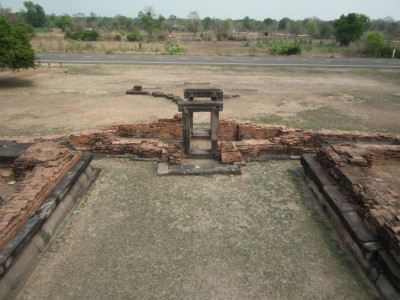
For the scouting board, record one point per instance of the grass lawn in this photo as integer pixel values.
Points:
(250, 236)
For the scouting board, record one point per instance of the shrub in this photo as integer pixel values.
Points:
(118, 37)
(173, 49)
(134, 36)
(285, 49)
(376, 45)
(90, 35)
(85, 35)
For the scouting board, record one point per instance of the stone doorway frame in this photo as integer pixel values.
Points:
(190, 106)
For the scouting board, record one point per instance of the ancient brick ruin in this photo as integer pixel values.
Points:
(42, 166)
(237, 140)
(366, 166)
(369, 175)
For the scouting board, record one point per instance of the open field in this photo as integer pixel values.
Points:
(227, 237)
(253, 44)
(142, 236)
(53, 101)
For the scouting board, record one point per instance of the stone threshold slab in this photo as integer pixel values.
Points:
(210, 168)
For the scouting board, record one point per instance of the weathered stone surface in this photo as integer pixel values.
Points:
(10, 150)
(369, 175)
(214, 94)
(43, 165)
(159, 94)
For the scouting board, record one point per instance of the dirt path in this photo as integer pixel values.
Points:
(53, 101)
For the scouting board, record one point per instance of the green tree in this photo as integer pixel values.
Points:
(122, 23)
(90, 21)
(350, 28)
(223, 28)
(325, 30)
(160, 22)
(147, 20)
(295, 28)
(207, 23)
(63, 22)
(34, 14)
(15, 49)
(194, 22)
(247, 24)
(268, 22)
(312, 28)
(284, 24)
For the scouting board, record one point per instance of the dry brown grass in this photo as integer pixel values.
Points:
(206, 44)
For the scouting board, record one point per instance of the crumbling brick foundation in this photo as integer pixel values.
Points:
(161, 140)
(43, 166)
(244, 140)
(369, 175)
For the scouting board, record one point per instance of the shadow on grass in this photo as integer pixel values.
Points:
(12, 82)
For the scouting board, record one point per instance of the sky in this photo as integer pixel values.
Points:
(222, 9)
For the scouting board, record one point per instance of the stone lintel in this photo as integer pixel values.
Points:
(199, 106)
(214, 94)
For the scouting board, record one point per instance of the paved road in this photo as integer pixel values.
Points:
(218, 60)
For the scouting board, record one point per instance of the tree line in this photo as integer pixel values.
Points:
(152, 26)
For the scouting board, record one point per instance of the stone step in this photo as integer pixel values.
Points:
(10, 150)
(201, 154)
(209, 168)
(201, 133)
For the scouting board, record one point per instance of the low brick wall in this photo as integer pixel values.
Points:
(241, 140)
(164, 129)
(355, 168)
(161, 139)
(43, 166)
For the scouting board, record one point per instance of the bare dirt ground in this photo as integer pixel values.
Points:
(139, 236)
(53, 101)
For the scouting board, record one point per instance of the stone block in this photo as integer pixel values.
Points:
(357, 228)
(391, 267)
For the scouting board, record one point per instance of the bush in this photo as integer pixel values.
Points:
(85, 35)
(118, 37)
(376, 45)
(285, 49)
(134, 36)
(174, 49)
(90, 35)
